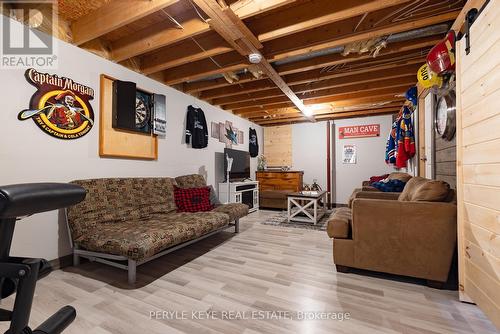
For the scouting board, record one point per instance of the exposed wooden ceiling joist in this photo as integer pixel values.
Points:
(369, 74)
(231, 28)
(338, 10)
(294, 46)
(321, 40)
(399, 48)
(184, 52)
(395, 79)
(113, 15)
(331, 95)
(331, 116)
(153, 38)
(328, 109)
(389, 98)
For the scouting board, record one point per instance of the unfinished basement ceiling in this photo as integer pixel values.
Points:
(186, 44)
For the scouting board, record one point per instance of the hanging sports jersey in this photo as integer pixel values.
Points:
(196, 128)
(253, 143)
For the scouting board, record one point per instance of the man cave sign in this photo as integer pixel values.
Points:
(60, 106)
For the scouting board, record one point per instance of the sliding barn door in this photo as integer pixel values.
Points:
(478, 155)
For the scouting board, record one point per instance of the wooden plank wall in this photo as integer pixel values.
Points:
(478, 161)
(278, 145)
(446, 160)
(422, 93)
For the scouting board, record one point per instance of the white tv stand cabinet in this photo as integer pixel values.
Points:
(246, 192)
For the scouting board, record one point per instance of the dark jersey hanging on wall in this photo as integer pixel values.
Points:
(196, 128)
(253, 143)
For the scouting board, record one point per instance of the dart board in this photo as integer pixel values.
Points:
(142, 111)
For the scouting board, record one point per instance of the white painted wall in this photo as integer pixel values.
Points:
(309, 151)
(29, 155)
(370, 156)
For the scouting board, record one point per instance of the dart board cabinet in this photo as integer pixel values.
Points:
(132, 107)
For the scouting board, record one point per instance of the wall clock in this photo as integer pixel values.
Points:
(445, 116)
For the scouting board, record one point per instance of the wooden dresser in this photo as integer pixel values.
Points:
(274, 185)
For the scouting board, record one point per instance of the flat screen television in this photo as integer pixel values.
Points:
(241, 164)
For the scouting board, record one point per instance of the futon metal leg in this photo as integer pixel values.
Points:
(237, 226)
(132, 271)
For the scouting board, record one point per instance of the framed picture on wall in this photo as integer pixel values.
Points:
(215, 130)
(349, 154)
(222, 131)
(241, 137)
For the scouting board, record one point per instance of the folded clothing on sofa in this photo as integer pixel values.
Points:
(379, 178)
(389, 185)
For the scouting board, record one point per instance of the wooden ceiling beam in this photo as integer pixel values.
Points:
(153, 38)
(204, 68)
(297, 49)
(291, 47)
(217, 86)
(201, 47)
(291, 111)
(324, 118)
(389, 98)
(258, 85)
(373, 89)
(113, 15)
(377, 78)
(231, 28)
(329, 116)
(237, 89)
(336, 11)
(295, 46)
(335, 59)
(316, 75)
(339, 11)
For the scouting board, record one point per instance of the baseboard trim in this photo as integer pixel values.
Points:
(62, 262)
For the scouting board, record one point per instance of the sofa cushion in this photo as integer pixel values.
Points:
(410, 187)
(353, 196)
(139, 239)
(190, 181)
(233, 210)
(214, 200)
(192, 199)
(431, 191)
(119, 199)
(339, 223)
(405, 177)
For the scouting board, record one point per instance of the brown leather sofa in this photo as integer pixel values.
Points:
(413, 235)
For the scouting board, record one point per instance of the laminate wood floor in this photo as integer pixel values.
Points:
(259, 281)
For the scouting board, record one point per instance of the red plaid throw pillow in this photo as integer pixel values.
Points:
(192, 199)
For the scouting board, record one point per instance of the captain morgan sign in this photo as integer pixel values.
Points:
(60, 106)
(358, 131)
